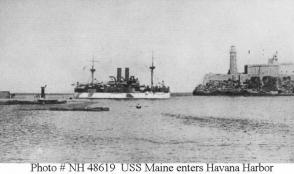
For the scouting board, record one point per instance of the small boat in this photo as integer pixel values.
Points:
(138, 106)
(41, 99)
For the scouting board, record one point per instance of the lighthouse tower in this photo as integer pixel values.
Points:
(233, 61)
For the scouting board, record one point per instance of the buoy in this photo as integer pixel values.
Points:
(138, 106)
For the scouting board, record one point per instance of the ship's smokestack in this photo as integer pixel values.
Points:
(127, 74)
(233, 61)
(118, 77)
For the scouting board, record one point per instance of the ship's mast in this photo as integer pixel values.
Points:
(92, 70)
(152, 67)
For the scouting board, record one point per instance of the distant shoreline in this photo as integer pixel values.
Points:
(34, 93)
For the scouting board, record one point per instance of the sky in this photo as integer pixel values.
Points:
(51, 42)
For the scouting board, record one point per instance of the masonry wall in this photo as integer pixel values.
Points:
(286, 69)
(4, 94)
(263, 70)
(216, 77)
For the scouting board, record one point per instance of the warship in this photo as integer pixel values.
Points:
(119, 87)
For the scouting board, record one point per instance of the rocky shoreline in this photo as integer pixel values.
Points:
(266, 86)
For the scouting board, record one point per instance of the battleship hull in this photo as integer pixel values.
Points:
(104, 95)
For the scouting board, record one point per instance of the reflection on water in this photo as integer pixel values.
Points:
(181, 129)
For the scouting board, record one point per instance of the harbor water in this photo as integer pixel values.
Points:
(179, 129)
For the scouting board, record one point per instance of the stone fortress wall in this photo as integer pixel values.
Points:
(273, 68)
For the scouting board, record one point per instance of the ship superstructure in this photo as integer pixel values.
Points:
(120, 87)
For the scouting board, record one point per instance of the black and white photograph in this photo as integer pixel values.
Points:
(147, 81)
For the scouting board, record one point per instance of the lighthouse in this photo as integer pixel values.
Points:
(233, 61)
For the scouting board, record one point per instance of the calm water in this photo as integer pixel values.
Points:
(181, 129)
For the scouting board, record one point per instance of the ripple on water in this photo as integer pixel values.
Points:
(233, 124)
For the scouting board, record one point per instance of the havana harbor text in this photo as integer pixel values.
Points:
(152, 167)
